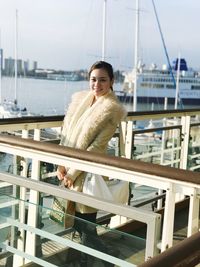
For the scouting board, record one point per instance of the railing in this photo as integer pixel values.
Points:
(186, 253)
(175, 182)
(80, 160)
(169, 138)
(174, 141)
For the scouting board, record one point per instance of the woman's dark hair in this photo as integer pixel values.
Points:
(103, 65)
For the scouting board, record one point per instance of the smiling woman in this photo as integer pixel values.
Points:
(89, 124)
(101, 78)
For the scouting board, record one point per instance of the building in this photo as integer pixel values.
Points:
(9, 66)
(22, 66)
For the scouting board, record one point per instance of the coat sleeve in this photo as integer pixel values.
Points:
(98, 145)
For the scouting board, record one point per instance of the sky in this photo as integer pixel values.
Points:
(67, 34)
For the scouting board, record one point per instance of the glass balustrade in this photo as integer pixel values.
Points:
(29, 226)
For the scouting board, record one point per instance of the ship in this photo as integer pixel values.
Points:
(154, 84)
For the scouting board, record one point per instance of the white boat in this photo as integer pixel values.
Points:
(176, 84)
(10, 109)
(154, 84)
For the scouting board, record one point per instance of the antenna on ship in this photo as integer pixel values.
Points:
(104, 31)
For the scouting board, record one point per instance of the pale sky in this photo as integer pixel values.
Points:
(67, 34)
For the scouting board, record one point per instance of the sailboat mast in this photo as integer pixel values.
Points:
(136, 55)
(177, 81)
(104, 31)
(16, 52)
(0, 70)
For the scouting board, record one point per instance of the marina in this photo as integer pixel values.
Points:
(155, 151)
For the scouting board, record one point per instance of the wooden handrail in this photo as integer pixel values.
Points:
(119, 162)
(31, 119)
(186, 253)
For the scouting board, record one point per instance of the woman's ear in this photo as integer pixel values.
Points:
(111, 83)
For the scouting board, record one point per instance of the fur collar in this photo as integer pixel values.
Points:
(106, 110)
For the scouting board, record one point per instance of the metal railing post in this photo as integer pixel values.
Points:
(31, 239)
(168, 220)
(17, 260)
(122, 138)
(129, 140)
(153, 233)
(193, 219)
(185, 121)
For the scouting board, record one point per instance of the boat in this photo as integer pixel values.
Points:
(155, 84)
(10, 108)
(173, 83)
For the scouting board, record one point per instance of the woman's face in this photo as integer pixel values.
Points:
(100, 82)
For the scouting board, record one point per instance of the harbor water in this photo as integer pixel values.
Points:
(51, 97)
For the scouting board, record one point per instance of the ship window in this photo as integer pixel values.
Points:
(195, 87)
(170, 86)
(155, 85)
(146, 85)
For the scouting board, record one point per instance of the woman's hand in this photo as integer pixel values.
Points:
(61, 172)
(68, 182)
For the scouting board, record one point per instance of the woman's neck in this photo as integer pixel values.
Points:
(93, 101)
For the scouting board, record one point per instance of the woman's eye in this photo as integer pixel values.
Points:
(99, 80)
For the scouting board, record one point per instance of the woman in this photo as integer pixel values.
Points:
(89, 124)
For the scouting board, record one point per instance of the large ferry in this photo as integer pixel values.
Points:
(155, 85)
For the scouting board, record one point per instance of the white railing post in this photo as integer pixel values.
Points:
(17, 260)
(122, 138)
(31, 240)
(129, 140)
(152, 237)
(185, 121)
(168, 220)
(193, 219)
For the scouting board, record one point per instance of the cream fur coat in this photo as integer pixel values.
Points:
(90, 127)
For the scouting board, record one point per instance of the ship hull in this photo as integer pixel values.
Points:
(160, 100)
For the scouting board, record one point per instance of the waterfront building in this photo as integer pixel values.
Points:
(22, 66)
(9, 66)
(33, 65)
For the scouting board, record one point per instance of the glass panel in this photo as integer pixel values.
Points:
(59, 245)
(6, 162)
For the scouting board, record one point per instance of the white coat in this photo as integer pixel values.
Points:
(90, 127)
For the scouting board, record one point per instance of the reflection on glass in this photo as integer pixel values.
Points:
(99, 237)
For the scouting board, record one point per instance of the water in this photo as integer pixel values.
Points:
(41, 96)
(47, 97)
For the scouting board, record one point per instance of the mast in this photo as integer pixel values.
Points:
(136, 55)
(0, 70)
(104, 31)
(177, 81)
(16, 53)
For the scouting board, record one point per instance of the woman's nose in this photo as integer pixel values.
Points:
(97, 82)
